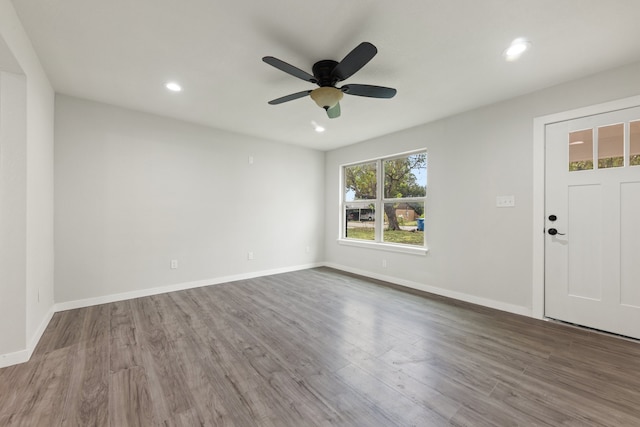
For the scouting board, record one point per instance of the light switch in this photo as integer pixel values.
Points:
(505, 201)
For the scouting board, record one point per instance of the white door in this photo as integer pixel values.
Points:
(592, 224)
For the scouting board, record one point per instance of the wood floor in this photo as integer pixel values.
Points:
(317, 348)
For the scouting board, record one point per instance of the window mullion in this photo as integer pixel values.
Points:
(405, 199)
(379, 205)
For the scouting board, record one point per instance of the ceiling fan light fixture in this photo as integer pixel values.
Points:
(326, 97)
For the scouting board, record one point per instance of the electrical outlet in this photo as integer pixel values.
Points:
(250, 160)
(174, 264)
(308, 249)
(250, 256)
(384, 263)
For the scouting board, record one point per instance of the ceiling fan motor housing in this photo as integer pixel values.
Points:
(322, 71)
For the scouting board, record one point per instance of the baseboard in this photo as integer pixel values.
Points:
(15, 358)
(24, 355)
(498, 305)
(70, 305)
(35, 339)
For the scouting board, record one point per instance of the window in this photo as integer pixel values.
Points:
(392, 213)
(611, 149)
(634, 144)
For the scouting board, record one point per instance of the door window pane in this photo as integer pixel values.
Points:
(581, 150)
(611, 146)
(634, 136)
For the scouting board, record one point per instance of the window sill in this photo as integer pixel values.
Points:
(388, 247)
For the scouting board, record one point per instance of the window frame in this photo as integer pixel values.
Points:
(378, 203)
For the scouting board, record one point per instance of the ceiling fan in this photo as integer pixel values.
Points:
(327, 73)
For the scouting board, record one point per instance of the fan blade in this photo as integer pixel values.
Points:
(290, 97)
(334, 112)
(355, 60)
(289, 69)
(369, 91)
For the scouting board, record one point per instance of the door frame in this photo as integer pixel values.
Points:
(539, 124)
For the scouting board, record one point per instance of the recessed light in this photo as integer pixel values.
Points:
(516, 49)
(173, 87)
(318, 128)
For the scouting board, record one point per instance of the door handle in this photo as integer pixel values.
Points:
(553, 232)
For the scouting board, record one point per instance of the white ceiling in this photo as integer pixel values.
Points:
(443, 56)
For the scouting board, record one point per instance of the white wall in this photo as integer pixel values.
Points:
(134, 191)
(13, 212)
(31, 245)
(477, 252)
